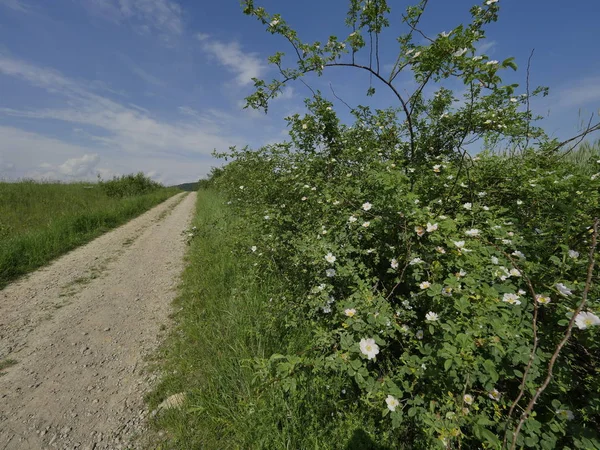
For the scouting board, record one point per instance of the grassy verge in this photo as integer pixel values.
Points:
(225, 324)
(5, 364)
(40, 221)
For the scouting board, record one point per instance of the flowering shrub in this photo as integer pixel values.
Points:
(129, 185)
(456, 296)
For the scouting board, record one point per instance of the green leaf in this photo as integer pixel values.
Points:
(490, 437)
(510, 62)
(356, 364)
(530, 442)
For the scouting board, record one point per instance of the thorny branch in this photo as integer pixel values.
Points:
(567, 336)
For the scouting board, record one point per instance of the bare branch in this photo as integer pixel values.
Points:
(396, 64)
(580, 139)
(588, 130)
(414, 28)
(340, 99)
(395, 91)
(567, 336)
(528, 102)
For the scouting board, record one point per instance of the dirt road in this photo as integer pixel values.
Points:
(78, 331)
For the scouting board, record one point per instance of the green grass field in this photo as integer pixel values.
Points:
(225, 320)
(40, 221)
(585, 155)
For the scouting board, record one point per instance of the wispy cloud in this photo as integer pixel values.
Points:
(17, 5)
(230, 55)
(145, 16)
(485, 46)
(578, 93)
(31, 155)
(124, 129)
(287, 93)
(130, 128)
(79, 167)
(141, 73)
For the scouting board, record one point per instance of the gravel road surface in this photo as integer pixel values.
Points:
(78, 332)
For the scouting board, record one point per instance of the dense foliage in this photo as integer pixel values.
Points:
(129, 185)
(453, 297)
(41, 221)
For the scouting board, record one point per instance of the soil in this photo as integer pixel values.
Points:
(74, 335)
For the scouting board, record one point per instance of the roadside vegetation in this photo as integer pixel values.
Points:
(585, 156)
(379, 285)
(40, 221)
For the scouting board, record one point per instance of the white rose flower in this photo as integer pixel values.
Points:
(494, 395)
(542, 299)
(586, 319)
(459, 244)
(392, 403)
(431, 316)
(512, 299)
(369, 348)
(565, 414)
(447, 291)
(563, 289)
(518, 254)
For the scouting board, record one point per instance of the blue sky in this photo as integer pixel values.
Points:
(117, 86)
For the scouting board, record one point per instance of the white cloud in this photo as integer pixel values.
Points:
(130, 128)
(79, 167)
(17, 5)
(6, 168)
(287, 93)
(31, 155)
(34, 156)
(483, 47)
(577, 93)
(230, 54)
(141, 73)
(145, 16)
(128, 132)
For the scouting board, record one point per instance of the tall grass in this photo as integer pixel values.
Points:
(40, 221)
(226, 322)
(586, 156)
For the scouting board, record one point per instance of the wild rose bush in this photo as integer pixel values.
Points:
(438, 286)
